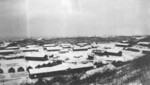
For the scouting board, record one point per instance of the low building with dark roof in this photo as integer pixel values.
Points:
(122, 44)
(36, 56)
(144, 43)
(7, 52)
(59, 69)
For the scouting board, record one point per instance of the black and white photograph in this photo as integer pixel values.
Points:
(74, 42)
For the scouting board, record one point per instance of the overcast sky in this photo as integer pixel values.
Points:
(57, 18)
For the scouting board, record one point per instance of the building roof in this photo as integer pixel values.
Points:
(61, 67)
(5, 51)
(64, 50)
(82, 44)
(67, 44)
(53, 48)
(148, 50)
(123, 44)
(13, 47)
(144, 43)
(35, 54)
(49, 45)
(113, 50)
(125, 41)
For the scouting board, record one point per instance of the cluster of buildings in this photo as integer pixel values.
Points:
(53, 59)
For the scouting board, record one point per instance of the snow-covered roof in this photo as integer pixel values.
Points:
(123, 44)
(133, 48)
(10, 56)
(81, 44)
(115, 50)
(66, 44)
(53, 48)
(35, 54)
(148, 50)
(61, 67)
(13, 47)
(5, 51)
(49, 45)
(64, 50)
(144, 43)
(31, 46)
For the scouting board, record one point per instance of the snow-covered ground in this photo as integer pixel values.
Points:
(72, 56)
